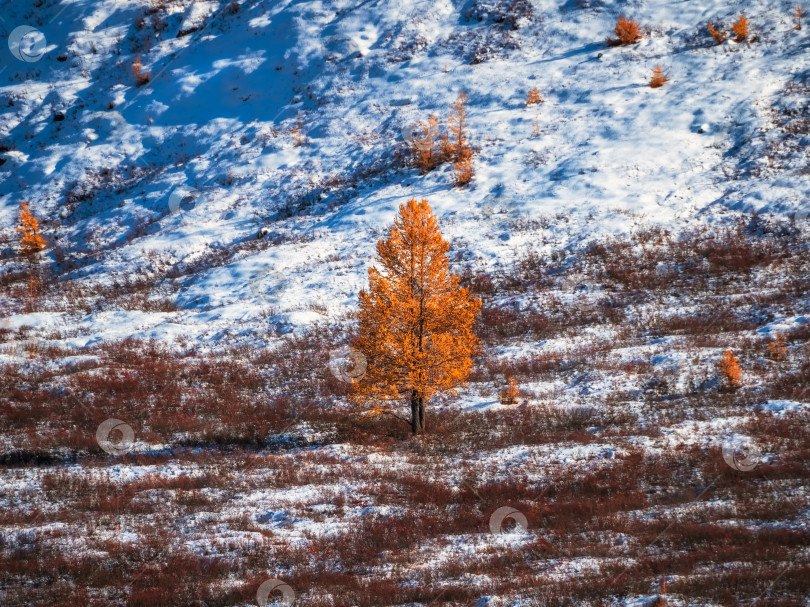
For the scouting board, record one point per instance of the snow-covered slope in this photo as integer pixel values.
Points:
(194, 182)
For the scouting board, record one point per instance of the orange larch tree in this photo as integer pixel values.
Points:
(428, 157)
(31, 242)
(719, 36)
(457, 126)
(460, 151)
(416, 323)
(534, 97)
(659, 78)
(729, 369)
(627, 32)
(740, 29)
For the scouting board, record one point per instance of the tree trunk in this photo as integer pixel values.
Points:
(417, 413)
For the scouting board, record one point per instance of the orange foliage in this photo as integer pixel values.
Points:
(141, 77)
(30, 240)
(509, 395)
(729, 369)
(457, 125)
(534, 97)
(463, 168)
(658, 77)
(777, 349)
(719, 37)
(627, 32)
(797, 16)
(298, 133)
(415, 322)
(424, 145)
(740, 29)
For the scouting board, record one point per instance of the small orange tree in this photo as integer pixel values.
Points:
(464, 169)
(415, 322)
(424, 145)
(740, 29)
(510, 394)
(534, 97)
(729, 369)
(141, 77)
(457, 140)
(719, 37)
(31, 242)
(627, 32)
(659, 78)
(457, 126)
(797, 17)
(777, 349)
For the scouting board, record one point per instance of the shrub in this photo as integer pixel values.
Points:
(536, 126)
(299, 135)
(658, 77)
(797, 17)
(457, 127)
(740, 29)
(31, 241)
(424, 145)
(719, 37)
(627, 32)
(534, 97)
(729, 370)
(777, 349)
(141, 77)
(463, 168)
(509, 395)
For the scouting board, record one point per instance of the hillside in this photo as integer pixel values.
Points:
(211, 179)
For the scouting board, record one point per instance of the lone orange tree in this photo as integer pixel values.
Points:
(31, 242)
(416, 323)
